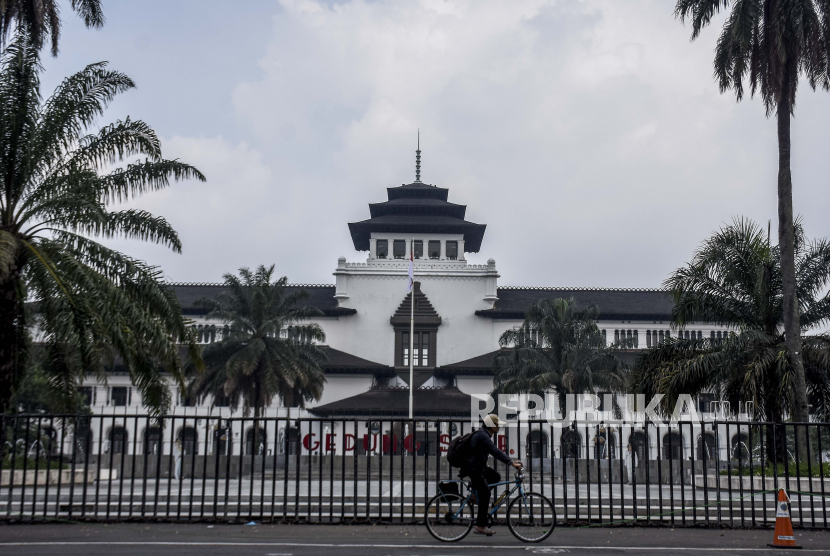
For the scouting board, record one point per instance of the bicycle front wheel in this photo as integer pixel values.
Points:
(448, 517)
(531, 517)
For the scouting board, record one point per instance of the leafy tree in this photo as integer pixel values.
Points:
(270, 349)
(41, 18)
(773, 43)
(557, 348)
(735, 280)
(88, 303)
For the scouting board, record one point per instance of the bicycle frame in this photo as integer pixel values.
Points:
(517, 485)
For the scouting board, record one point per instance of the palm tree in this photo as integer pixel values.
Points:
(557, 348)
(88, 300)
(773, 42)
(270, 350)
(40, 18)
(735, 280)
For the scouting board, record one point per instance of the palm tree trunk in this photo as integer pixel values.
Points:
(10, 342)
(786, 243)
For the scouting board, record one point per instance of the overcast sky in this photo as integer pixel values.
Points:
(588, 135)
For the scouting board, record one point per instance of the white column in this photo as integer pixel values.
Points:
(408, 249)
(443, 250)
(373, 248)
(461, 249)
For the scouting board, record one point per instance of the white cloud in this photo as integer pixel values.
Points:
(587, 134)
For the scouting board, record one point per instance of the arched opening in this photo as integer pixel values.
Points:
(152, 440)
(292, 441)
(118, 440)
(536, 444)
(740, 447)
(571, 444)
(222, 440)
(605, 445)
(672, 446)
(256, 440)
(49, 441)
(707, 447)
(189, 441)
(638, 441)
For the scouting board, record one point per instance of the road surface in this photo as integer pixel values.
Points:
(128, 539)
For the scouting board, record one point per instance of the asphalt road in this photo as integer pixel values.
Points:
(378, 540)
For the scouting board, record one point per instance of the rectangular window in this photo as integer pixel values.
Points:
(85, 393)
(399, 248)
(405, 349)
(424, 349)
(383, 249)
(434, 249)
(452, 250)
(222, 400)
(119, 395)
(419, 249)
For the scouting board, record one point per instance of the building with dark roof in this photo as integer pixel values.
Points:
(459, 312)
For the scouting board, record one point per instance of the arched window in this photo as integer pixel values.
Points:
(82, 444)
(707, 447)
(605, 445)
(292, 441)
(222, 440)
(152, 440)
(571, 444)
(639, 446)
(118, 440)
(256, 441)
(536, 444)
(672, 446)
(648, 338)
(189, 441)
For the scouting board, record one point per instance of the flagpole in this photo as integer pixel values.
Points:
(412, 327)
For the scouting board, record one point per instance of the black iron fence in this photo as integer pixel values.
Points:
(177, 468)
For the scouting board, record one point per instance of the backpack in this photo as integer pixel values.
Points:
(458, 450)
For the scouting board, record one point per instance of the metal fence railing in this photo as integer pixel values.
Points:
(177, 468)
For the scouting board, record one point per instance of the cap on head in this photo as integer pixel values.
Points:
(492, 420)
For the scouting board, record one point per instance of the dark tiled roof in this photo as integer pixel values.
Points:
(320, 296)
(614, 304)
(417, 208)
(425, 313)
(417, 190)
(394, 402)
(342, 362)
(480, 364)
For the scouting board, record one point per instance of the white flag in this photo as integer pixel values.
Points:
(411, 270)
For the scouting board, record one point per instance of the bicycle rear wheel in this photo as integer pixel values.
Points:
(449, 517)
(531, 517)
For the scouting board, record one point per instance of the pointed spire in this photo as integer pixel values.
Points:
(418, 160)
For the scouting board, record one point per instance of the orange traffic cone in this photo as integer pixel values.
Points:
(783, 525)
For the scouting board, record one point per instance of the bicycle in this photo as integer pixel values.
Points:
(449, 515)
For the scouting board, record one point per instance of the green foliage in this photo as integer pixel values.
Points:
(40, 18)
(270, 351)
(32, 463)
(765, 41)
(36, 394)
(556, 348)
(735, 280)
(90, 303)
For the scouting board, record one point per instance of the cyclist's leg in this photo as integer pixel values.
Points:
(480, 483)
(491, 476)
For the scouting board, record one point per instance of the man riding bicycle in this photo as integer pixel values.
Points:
(475, 467)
